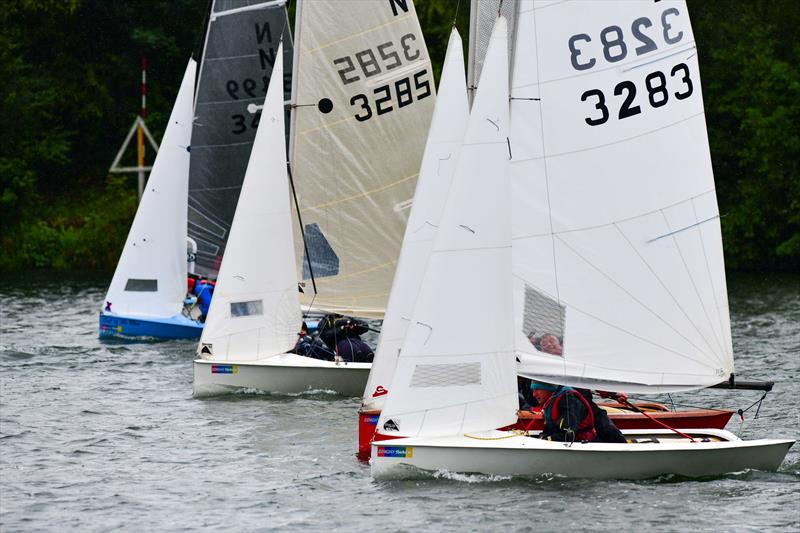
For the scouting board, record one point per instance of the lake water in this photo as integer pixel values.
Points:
(105, 436)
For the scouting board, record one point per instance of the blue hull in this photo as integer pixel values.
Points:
(175, 327)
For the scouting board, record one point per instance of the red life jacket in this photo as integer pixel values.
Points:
(585, 430)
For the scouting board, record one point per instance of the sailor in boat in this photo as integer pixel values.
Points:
(342, 335)
(567, 415)
(200, 290)
(311, 346)
(305, 342)
(604, 428)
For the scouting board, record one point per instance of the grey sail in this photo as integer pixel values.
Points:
(242, 39)
(483, 14)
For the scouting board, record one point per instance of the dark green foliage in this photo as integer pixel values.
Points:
(70, 91)
(751, 87)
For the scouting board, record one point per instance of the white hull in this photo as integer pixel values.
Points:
(284, 373)
(490, 453)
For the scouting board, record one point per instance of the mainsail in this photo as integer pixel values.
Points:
(150, 279)
(240, 48)
(255, 311)
(363, 97)
(435, 177)
(619, 272)
(448, 383)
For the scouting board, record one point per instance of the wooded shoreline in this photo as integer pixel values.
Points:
(70, 93)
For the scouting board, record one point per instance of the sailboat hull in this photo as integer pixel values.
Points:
(283, 374)
(506, 453)
(174, 327)
(528, 421)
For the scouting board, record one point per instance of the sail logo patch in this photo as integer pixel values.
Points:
(395, 451)
(224, 369)
(391, 425)
(379, 391)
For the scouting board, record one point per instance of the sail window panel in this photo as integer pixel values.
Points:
(446, 375)
(251, 308)
(141, 285)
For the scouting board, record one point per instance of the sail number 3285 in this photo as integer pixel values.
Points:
(383, 59)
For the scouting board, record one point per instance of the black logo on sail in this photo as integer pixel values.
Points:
(390, 425)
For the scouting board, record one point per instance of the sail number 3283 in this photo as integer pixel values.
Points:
(657, 94)
(613, 39)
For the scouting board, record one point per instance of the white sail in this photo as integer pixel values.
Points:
(617, 246)
(438, 163)
(150, 279)
(456, 370)
(364, 95)
(255, 311)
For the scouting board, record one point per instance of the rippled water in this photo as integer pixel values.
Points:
(99, 436)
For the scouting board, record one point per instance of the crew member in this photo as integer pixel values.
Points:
(567, 415)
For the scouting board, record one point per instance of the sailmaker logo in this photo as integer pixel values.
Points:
(224, 369)
(395, 451)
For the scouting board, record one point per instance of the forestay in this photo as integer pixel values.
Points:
(241, 43)
(482, 16)
(364, 94)
(150, 279)
(255, 312)
(619, 274)
(438, 163)
(456, 370)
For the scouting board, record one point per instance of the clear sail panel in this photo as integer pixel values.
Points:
(364, 98)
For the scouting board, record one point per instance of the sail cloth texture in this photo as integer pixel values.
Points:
(150, 279)
(483, 14)
(619, 273)
(456, 371)
(364, 94)
(255, 312)
(239, 52)
(442, 148)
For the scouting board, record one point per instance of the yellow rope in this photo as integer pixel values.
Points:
(514, 433)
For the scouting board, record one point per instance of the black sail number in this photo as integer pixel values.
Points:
(658, 94)
(575, 52)
(364, 102)
(382, 95)
(670, 39)
(685, 79)
(600, 105)
(648, 44)
(629, 88)
(240, 122)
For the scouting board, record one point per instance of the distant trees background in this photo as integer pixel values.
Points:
(70, 71)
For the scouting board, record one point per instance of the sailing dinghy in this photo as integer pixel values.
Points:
(255, 312)
(424, 219)
(147, 293)
(632, 285)
(363, 94)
